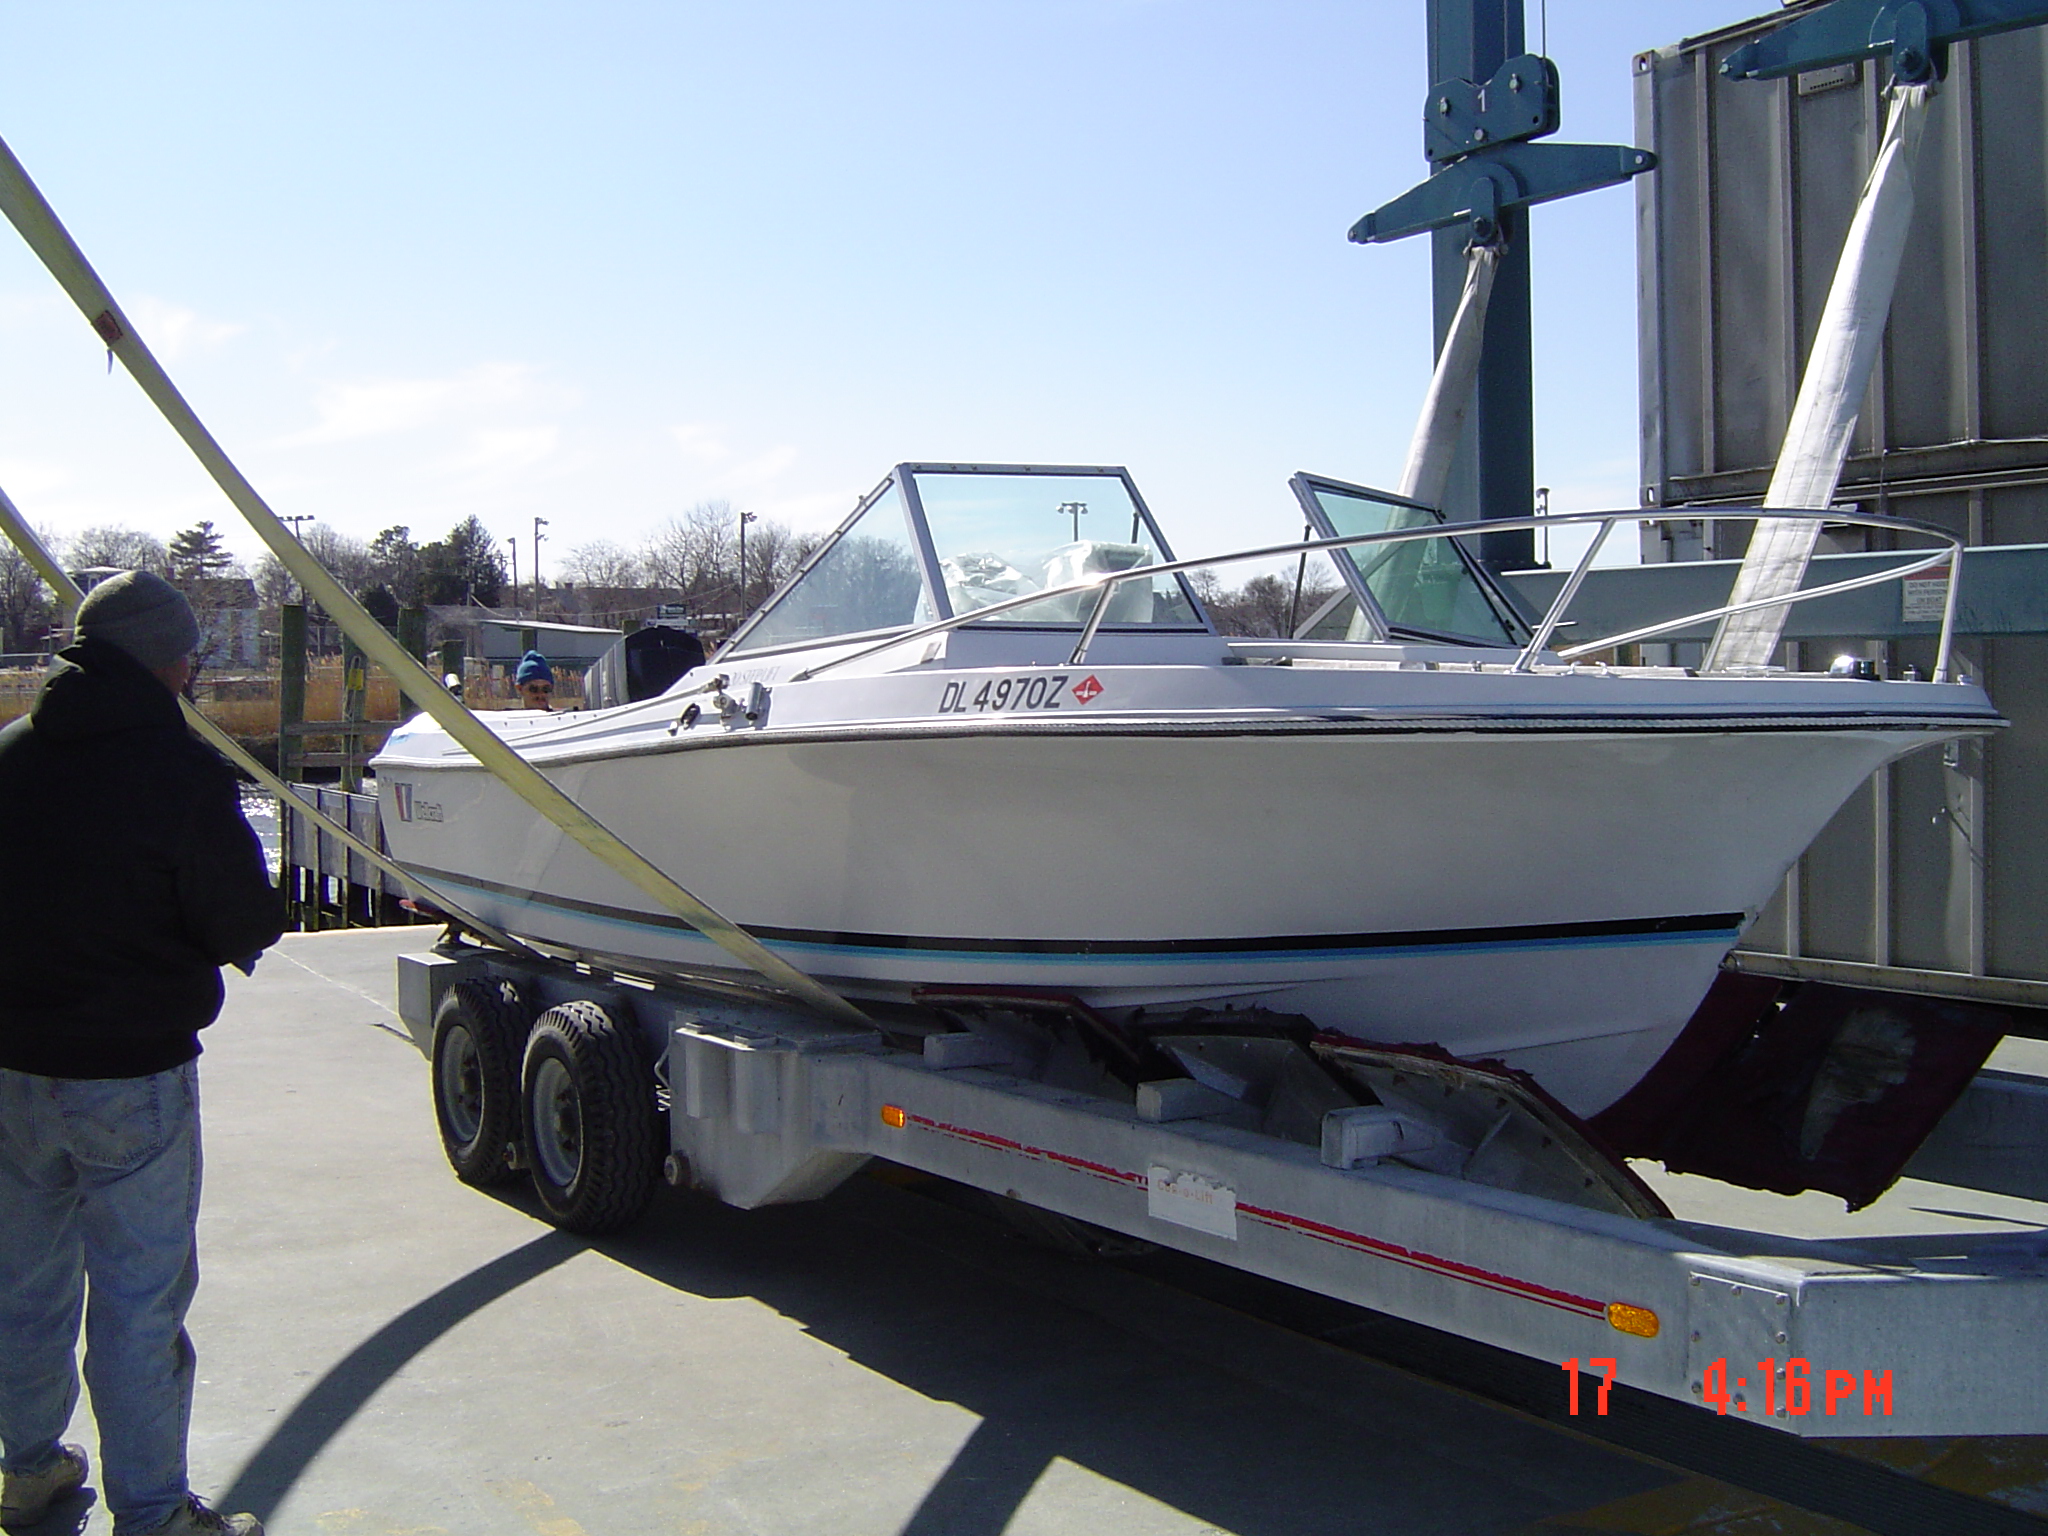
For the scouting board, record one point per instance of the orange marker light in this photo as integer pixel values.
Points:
(1622, 1317)
(893, 1118)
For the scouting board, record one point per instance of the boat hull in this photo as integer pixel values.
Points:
(1555, 900)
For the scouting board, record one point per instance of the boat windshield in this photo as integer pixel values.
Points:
(945, 541)
(1427, 587)
(865, 579)
(999, 535)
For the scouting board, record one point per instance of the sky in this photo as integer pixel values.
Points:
(598, 263)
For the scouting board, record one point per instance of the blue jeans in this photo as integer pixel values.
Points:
(99, 1183)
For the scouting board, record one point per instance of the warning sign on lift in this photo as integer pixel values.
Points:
(1923, 597)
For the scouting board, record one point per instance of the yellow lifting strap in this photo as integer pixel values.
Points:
(37, 222)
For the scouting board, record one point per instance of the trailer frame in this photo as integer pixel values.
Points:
(768, 1105)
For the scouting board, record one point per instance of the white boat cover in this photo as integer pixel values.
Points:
(1435, 444)
(1831, 393)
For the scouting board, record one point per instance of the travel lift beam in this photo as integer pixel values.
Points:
(1488, 99)
(1915, 37)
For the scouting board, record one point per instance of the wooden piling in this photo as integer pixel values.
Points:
(291, 688)
(355, 674)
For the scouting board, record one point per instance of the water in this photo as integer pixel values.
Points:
(260, 807)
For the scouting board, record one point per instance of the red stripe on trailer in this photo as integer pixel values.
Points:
(1451, 1268)
(1005, 1144)
(1379, 1248)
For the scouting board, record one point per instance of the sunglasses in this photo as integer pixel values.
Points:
(536, 687)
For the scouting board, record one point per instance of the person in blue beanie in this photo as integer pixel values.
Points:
(535, 681)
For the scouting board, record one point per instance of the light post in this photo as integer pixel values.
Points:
(538, 524)
(745, 518)
(295, 519)
(1073, 509)
(512, 541)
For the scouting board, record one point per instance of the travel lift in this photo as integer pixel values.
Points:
(1448, 1193)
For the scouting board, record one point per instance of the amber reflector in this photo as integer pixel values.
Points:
(1640, 1321)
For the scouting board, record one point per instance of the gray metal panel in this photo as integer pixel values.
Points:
(1940, 864)
(1743, 221)
(2012, 77)
(2016, 837)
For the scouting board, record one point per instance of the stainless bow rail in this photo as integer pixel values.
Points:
(1106, 582)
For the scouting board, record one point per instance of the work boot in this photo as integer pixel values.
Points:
(195, 1519)
(25, 1497)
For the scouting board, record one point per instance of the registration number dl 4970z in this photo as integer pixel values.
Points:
(1041, 690)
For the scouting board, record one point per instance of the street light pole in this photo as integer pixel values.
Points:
(745, 518)
(295, 519)
(1073, 509)
(538, 524)
(512, 541)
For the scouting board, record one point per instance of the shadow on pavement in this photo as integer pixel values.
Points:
(338, 1396)
(965, 1312)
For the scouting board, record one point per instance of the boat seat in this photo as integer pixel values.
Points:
(980, 579)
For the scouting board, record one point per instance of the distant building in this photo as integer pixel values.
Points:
(230, 621)
(497, 638)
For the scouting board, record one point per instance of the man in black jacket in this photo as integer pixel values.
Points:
(128, 877)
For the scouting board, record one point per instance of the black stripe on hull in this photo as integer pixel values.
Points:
(1694, 927)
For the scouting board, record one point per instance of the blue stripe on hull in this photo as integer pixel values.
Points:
(1651, 932)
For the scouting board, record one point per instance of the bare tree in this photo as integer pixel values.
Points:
(696, 551)
(27, 607)
(274, 583)
(119, 547)
(1264, 605)
(773, 553)
(347, 560)
(601, 563)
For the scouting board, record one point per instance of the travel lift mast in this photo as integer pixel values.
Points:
(1488, 99)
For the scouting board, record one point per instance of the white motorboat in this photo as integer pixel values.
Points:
(911, 771)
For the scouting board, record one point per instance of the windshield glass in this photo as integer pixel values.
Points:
(1424, 586)
(867, 580)
(1002, 536)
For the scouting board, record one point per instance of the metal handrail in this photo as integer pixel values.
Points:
(1108, 580)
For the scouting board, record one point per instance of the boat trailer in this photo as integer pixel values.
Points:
(1438, 1192)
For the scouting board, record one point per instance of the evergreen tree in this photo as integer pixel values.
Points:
(378, 602)
(463, 567)
(198, 554)
(397, 562)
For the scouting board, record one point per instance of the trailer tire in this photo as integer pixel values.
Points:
(593, 1127)
(478, 1029)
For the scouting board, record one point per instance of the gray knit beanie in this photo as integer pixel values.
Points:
(144, 615)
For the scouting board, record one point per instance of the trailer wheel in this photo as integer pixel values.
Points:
(477, 1033)
(593, 1142)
